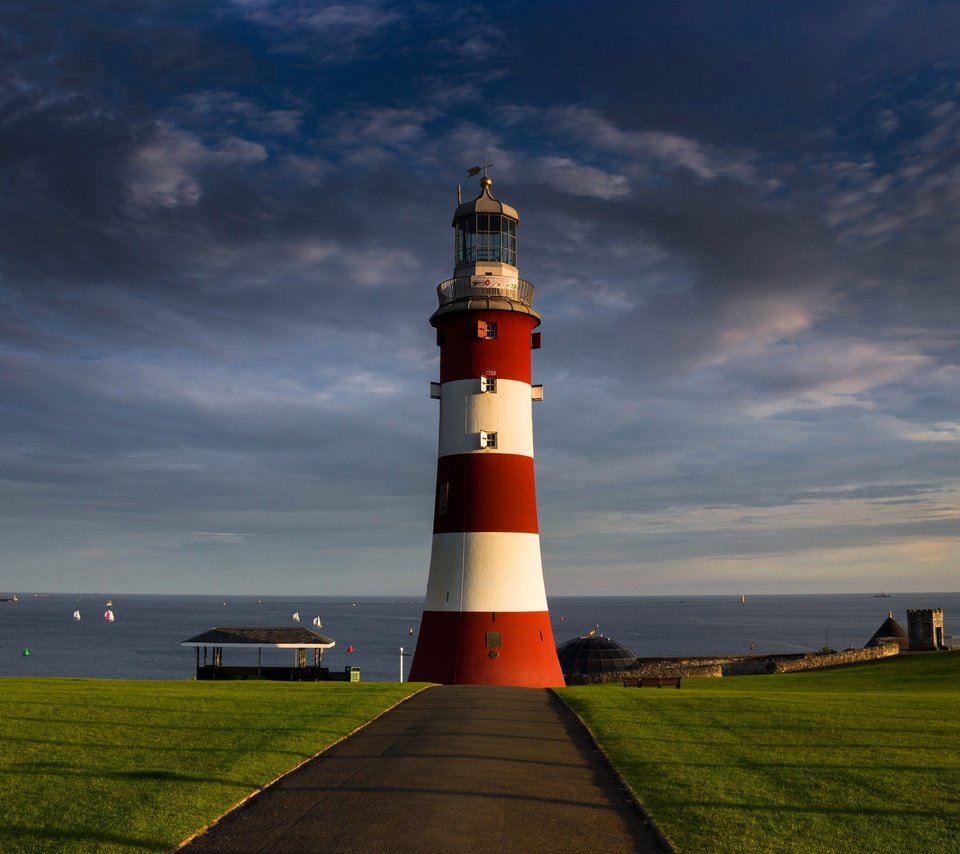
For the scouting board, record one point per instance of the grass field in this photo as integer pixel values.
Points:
(863, 758)
(860, 758)
(103, 765)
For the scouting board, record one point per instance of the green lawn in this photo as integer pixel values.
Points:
(104, 765)
(860, 758)
(863, 758)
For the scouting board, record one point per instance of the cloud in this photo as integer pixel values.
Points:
(748, 327)
(905, 185)
(649, 150)
(312, 170)
(218, 110)
(580, 180)
(939, 431)
(168, 169)
(819, 375)
(332, 33)
(220, 239)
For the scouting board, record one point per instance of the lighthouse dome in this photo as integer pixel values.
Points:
(485, 203)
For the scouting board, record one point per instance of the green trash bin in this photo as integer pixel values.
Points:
(353, 673)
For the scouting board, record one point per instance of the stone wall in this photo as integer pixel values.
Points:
(812, 661)
(689, 668)
(742, 665)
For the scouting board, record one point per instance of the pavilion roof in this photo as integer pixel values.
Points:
(295, 637)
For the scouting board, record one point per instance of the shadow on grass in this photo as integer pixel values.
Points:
(882, 812)
(22, 838)
(203, 724)
(55, 769)
(229, 748)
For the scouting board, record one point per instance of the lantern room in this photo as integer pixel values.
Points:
(486, 235)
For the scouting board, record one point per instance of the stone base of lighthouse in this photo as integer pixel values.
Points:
(487, 648)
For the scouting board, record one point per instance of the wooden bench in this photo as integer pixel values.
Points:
(653, 682)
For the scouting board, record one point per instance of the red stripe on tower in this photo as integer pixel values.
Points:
(485, 620)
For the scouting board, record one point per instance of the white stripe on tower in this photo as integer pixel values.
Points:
(464, 412)
(485, 571)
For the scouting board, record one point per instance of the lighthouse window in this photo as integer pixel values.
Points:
(486, 329)
(488, 384)
(486, 237)
(488, 440)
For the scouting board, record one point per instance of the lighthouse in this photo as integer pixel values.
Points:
(485, 619)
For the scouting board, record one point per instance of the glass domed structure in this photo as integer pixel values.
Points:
(593, 653)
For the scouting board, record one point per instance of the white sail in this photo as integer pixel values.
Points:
(108, 615)
(76, 615)
(318, 622)
(296, 616)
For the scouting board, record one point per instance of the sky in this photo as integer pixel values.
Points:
(223, 224)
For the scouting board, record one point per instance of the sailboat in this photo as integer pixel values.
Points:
(76, 614)
(743, 599)
(318, 622)
(296, 616)
(108, 615)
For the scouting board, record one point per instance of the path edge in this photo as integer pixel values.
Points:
(198, 833)
(647, 819)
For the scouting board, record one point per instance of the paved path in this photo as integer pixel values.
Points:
(454, 769)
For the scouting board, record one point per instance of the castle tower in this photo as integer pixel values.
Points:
(485, 619)
(925, 628)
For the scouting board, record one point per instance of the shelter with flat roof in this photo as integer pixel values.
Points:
(297, 639)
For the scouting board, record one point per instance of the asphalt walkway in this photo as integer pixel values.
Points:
(454, 769)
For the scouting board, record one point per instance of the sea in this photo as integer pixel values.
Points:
(40, 637)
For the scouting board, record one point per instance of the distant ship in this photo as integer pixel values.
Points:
(881, 595)
(9, 598)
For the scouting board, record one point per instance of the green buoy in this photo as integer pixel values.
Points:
(26, 652)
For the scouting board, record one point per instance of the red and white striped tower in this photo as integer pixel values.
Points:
(485, 619)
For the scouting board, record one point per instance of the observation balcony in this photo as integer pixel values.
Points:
(471, 287)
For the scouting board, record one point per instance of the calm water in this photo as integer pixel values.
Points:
(144, 640)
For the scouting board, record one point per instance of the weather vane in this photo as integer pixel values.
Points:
(473, 171)
(476, 170)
